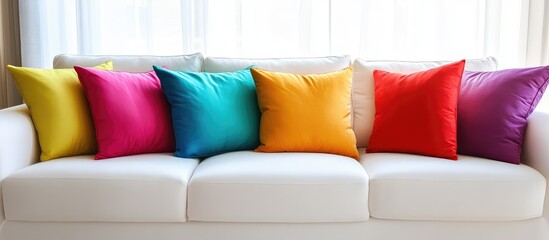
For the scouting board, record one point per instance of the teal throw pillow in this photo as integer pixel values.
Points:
(212, 113)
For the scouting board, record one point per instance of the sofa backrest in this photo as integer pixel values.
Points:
(312, 65)
(363, 87)
(363, 102)
(138, 63)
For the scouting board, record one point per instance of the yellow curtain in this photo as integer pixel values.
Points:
(10, 51)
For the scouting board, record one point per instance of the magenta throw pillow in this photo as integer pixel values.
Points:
(130, 112)
(493, 108)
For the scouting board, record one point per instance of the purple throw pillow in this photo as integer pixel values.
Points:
(493, 108)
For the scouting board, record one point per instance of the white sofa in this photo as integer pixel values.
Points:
(249, 195)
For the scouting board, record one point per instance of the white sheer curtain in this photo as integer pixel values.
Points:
(514, 31)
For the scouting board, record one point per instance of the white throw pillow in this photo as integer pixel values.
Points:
(363, 95)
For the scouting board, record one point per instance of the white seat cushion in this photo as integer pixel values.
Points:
(278, 187)
(312, 65)
(413, 187)
(140, 188)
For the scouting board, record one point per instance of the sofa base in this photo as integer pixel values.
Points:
(533, 229)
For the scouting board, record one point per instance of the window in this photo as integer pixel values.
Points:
(514, 31)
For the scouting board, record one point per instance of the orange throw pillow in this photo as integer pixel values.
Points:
(305, 113)
(417, 113)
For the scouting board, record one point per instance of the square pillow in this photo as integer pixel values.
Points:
(417, 113)
(363, 95)
(493, 109)
(305, 113)
(212, 113)
(130, 112)
(59, 110)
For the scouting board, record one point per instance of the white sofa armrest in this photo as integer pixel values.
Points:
(536, 148)
(18, 143)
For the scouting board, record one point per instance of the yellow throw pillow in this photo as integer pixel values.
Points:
(59, 110)
(305, 113)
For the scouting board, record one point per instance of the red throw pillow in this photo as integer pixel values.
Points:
(417, 113)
